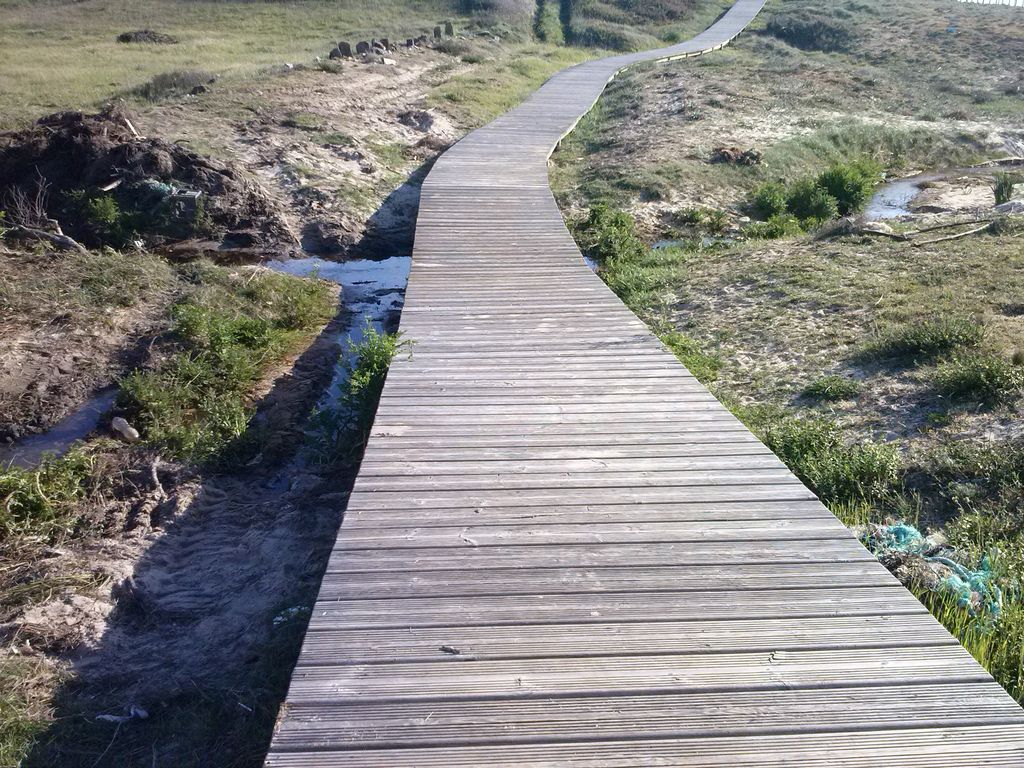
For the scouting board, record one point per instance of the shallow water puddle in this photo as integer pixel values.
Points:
(893, 199)
(29, 452)
(372, 291)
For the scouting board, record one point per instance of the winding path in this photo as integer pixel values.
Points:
(561, 550)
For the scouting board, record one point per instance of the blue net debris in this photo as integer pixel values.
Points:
(974, 589)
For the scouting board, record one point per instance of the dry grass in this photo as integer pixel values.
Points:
(231, 38)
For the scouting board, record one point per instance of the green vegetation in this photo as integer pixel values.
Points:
(194, 404)
(987, 378)
(43, 502)
(547, 24)
(342, 428)
(701, 364)
(24, 713)
(840, 472)
(995, 643)
(496, 85)
(924, 339)
(841, 189)
(167, 84)
(811, 33)
(1002, 187)
(832, 388)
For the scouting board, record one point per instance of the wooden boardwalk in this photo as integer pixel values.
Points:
(561, 550)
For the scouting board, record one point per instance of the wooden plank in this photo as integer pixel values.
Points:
(561, 550)
(423, 724)
(980, 746)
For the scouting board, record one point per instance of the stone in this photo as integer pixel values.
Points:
(449, 30)
(335, 53)
(437, 33)
(345, 49)
(362, 47)
(421, 40)
(387, 62)
(124, 429)
(386, 43)
(409, 42)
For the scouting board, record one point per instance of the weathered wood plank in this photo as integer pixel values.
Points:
(561, 550)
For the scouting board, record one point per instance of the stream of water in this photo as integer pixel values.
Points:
(372, 292)
(29, 451)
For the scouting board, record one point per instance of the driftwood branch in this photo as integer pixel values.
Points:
(935, 227)
(62, 242)
(957, 236)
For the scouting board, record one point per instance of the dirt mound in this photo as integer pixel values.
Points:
(146, 36)
(106, 185)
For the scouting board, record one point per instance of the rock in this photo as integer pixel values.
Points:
(345, 49)
(124, 429)
(387, 62)
(416, 119)
(409, 42)
(449, 30)
(385, 43)
(198, 90)
(362, 47)
(877, 226)
(437, 33)
(335, 53)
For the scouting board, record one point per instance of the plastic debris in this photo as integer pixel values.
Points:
(899, 545)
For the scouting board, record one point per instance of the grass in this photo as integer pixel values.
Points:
(44, 288)
(232, 38)
(832, 388)
(43, 502)
(704, 365)
(194, 404)
(24, 711)
(985, 378)
(996, 645)
(818, 452)
(496, 85)
(341, 429)
(924, 339)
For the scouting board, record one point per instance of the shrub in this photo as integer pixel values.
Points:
(986, 378)
(851, 184)
(811, 34)
(780, 225)
(101, 220)
(770, 199)
(924, 339)
(831, 388)
(836, 471)
(810, 203)
(600, 35)
(177, 83)
(1002, 187)
(716, 221)
(610, 236)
